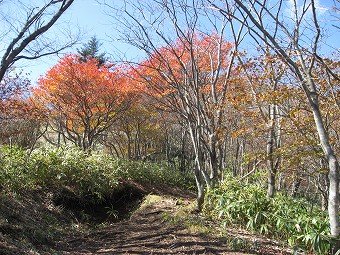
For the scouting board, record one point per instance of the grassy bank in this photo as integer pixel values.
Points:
(92, 174)
(50, 192)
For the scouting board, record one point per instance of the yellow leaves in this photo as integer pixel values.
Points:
(240, 132)
(293, 113)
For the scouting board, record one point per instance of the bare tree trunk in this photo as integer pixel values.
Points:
(200, 189)
(295, 186)
(272, 144)
(200, 179)
(252, 15)
(213, 162)
(270, 150)
(333, 175)
(182, 165)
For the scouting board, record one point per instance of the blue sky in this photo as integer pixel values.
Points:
(89, 16)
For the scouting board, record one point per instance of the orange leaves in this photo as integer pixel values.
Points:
(188, 62)
(79, 87)
(86, 96)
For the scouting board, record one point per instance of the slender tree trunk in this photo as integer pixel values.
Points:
(324, 201)
(296, 186)
(182, 155)
(235, 159)
(112, 147)
(241, 157)
(200, 189)
(200, 181)
(271, 184)
(273, 143)
(199, 172)
(333, 175)
(129, 149)
(213, 161)
(322, 185)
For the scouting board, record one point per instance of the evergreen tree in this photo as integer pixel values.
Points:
(91, 49)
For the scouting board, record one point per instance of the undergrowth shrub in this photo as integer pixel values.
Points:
(13, 168)
(304, 225)
(154, 173)
(55, 168)
(86, 174)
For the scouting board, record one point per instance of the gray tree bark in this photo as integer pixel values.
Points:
(255, 14)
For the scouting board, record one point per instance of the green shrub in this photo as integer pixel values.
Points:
(13, 168)
(304, 226)
(55, 168)
(153, 173)
(44, 166)
(86, 174)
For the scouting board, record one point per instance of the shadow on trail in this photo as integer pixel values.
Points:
(145, 232)
(111, 208)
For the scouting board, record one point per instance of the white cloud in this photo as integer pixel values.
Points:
(301, 4)
(321, 9)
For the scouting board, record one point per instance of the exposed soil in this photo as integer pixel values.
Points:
(145, 231)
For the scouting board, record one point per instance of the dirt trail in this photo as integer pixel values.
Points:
(146, 232)
(39, 224)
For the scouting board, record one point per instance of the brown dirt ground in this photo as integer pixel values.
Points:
(148, 230)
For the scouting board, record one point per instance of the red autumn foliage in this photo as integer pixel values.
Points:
(86, 99)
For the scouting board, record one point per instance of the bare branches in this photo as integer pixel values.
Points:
(187, 67)
(39, 21)
(301, 58)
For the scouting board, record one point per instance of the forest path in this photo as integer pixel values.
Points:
(148, 232)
